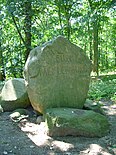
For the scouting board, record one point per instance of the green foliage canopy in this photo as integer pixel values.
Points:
(26, 24)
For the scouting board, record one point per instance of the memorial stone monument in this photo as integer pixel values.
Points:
(57, 74)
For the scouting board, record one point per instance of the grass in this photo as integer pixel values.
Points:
(102, 88)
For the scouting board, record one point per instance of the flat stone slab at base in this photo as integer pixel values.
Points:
(75, 122)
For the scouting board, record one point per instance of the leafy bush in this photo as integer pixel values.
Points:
(102, 89)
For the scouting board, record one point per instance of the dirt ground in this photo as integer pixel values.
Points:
(29, 138)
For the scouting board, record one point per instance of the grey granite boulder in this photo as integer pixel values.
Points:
(75, 122)
(14, 95)
(57, 74)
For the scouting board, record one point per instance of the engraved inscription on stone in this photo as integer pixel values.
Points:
(58, 64)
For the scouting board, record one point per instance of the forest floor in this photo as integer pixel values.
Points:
(30, 138)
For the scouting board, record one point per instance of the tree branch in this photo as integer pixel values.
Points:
(13, 18)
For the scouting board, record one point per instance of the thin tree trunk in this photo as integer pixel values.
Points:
(18, 30)
(85, 47)
(2, 70)
(115, 58)
(90, 43)
(65, 6)
(27, 25)
(95, 47)
(68, 28)
(95, 39)
(59, 14)
(91, 54)
(106, 59)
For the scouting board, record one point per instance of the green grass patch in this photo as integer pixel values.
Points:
(102, 89)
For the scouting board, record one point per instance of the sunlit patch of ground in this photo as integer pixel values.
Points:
(110, 110)
(38, 134)
(95, 149)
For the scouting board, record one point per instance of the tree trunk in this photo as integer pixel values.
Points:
(64, 7)
(95, 38)
(90, 43)
(68, 25)
(58, 4)
(2, 70)
(106, 59)
(95, 47)
(85, 47)
(91, 54)
(27, 25)
(115, 58)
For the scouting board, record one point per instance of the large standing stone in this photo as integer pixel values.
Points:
(76, 122)
(14, 95)
(57, 75)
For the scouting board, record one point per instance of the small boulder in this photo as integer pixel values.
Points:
(19, 114)
(75, 122)
(91, 105)
(39, 119)
(14, 95)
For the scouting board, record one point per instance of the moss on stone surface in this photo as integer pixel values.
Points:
(80, 122)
